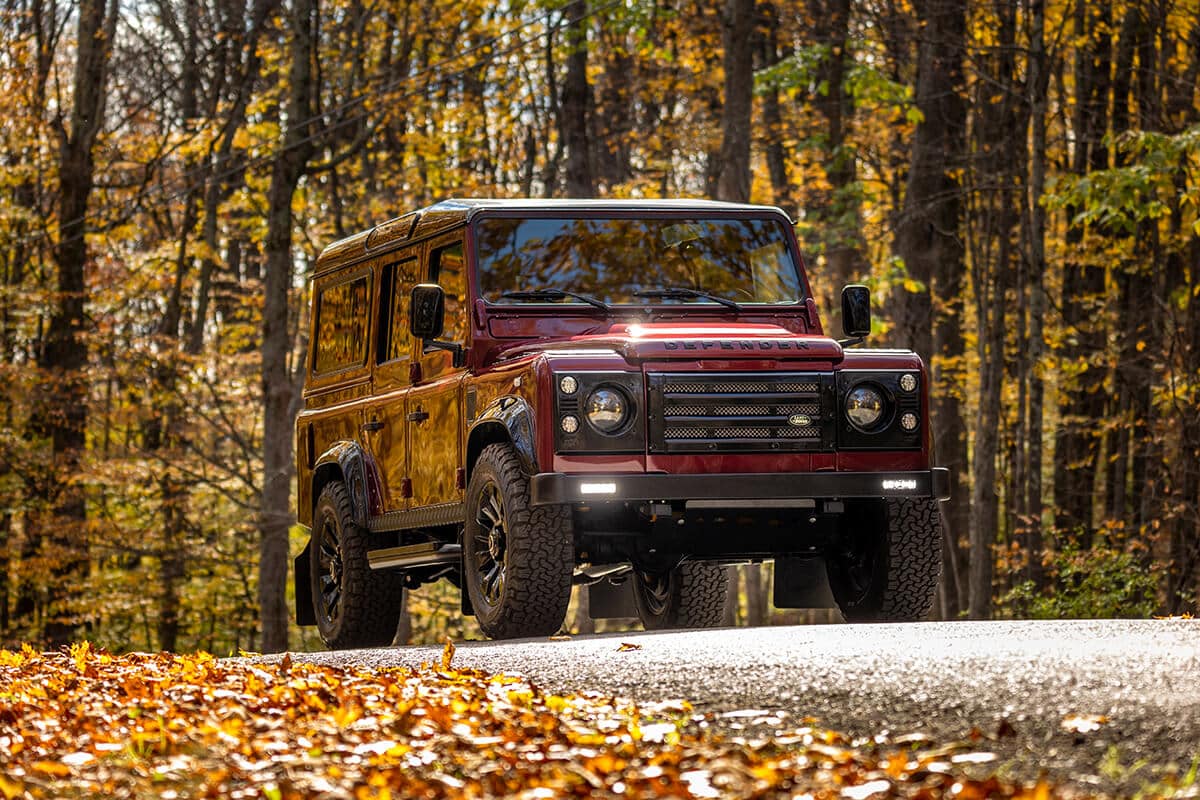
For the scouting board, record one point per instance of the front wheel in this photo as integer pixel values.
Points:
(887, 563)
(518, 559)
(690, 596)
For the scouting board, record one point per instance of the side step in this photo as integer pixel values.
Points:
(426, 554)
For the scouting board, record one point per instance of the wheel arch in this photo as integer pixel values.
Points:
(347, 462)
(507, 420)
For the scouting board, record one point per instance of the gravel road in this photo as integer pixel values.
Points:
(1141, 679)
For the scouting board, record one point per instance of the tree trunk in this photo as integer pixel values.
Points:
(290, 164)
(1038, 81)
(774, 134)
(929, 239)
(1082, 409)
(63, 416)
(733, 164)
(839, 217)
(757, 604)
(1000, 146)
(577, 106)
(222, 179)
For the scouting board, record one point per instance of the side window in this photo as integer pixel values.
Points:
(398, 281)
(341, 325)
(448, 270)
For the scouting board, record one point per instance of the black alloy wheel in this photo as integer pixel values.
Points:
(857, 564)
(692, 595)
(655, 591)
(518, 559)
(489, 545)
(888, 560)
(329, 573)
(354, 605)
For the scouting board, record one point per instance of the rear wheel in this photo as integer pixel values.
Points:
(355, 606)
(518, 559)
(690, 596)
(888, 561)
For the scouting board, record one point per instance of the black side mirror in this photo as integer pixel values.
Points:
(427, 311)
(856, 311)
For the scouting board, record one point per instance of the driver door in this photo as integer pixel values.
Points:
(435, 401)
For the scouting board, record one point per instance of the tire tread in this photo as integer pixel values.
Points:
(371, 599)
(539, 562)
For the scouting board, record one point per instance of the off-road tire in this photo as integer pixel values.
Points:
(690, 596)
(370, 602)
(538, 557)
(902, 540)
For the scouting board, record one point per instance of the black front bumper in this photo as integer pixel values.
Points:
(548, 488)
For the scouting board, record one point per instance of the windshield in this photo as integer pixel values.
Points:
(624, 260)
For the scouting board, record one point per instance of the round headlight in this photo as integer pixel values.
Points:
(908, 382)
(607, 409)
(567, 384)
(864, 407)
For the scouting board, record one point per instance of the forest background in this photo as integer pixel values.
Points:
(1016, 181)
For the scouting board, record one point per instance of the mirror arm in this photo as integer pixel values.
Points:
(458, 353)
(852, 341)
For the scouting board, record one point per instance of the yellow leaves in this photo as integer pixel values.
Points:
(9, 658)
(627, 646)
(448, 654)
(54, 768)
(80, 652)
(345, 716)
(10, 789)
(84, 723)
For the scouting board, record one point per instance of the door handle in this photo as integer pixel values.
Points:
(417, 416)
(372, 426)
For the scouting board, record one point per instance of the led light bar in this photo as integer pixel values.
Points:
(597, 488)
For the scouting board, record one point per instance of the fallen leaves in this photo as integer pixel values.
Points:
(1083, 723)
(84, 723)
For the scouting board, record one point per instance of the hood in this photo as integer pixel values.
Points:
(669, 340)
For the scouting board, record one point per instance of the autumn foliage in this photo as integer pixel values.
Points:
(1017, 182)
(83, 723)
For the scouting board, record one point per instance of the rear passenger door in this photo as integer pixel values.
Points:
(385, 428)
(435, 403)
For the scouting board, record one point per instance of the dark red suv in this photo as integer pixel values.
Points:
(520, 396)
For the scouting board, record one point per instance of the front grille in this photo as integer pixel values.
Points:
(743, 387)
(741, 413)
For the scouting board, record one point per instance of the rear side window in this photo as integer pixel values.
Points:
(448, 270)
(398, 281)
(341, 327)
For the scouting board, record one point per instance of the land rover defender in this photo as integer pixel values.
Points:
(522, 396)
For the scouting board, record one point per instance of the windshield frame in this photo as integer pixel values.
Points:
(764, 213)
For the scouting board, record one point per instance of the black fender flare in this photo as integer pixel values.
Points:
(349, 463)
(509, 418)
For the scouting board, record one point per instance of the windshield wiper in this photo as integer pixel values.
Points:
(682, 292)
(550, 293)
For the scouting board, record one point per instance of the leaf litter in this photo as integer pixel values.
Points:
(84, 723)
